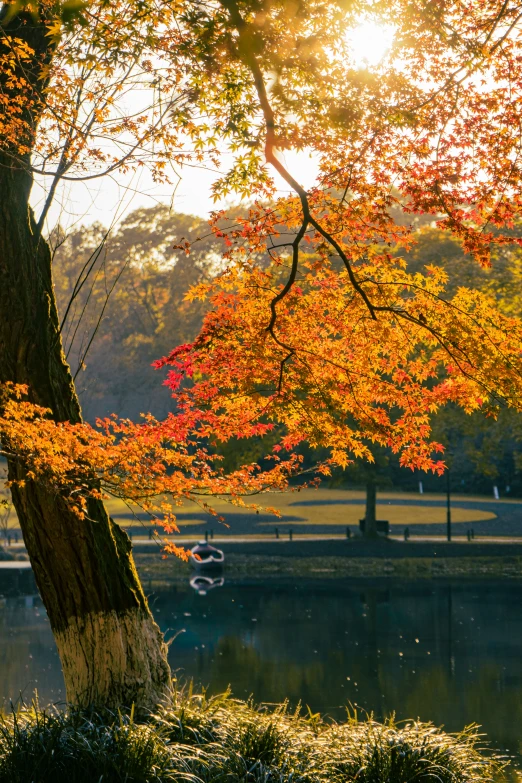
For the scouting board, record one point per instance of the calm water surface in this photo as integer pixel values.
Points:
(450, 653)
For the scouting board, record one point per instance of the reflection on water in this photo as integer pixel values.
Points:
(28, 657)
(450, 653)
(202, 583)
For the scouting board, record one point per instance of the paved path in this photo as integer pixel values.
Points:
(332, 545)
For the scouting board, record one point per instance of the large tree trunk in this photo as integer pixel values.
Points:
(112, 651)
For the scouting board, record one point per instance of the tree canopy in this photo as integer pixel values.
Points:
(336, 340)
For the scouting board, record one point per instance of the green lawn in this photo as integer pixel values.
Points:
(396, 515)
(327, 515)
(330, 514)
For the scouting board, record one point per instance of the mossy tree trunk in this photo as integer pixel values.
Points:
(112, 651)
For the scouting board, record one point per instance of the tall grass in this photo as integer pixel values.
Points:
(221, 740)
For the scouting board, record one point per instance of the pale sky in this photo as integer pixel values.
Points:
(109, 199)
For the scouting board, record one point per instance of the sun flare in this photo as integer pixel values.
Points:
(370, 42)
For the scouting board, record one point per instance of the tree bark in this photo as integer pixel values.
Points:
(112, 651)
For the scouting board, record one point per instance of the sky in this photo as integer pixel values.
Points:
(110, 198)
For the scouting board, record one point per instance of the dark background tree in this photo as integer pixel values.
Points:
(131, 309)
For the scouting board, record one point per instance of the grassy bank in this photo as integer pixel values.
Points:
(199, 740)
(152, 567)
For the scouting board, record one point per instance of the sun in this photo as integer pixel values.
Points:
(370, 42)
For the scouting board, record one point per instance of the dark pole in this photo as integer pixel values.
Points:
(448, 504)
(450, 633)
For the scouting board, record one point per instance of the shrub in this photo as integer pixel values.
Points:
(221, 740)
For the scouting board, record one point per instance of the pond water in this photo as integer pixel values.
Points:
(449, 653)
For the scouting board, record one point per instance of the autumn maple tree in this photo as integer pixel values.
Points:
(334, 342)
